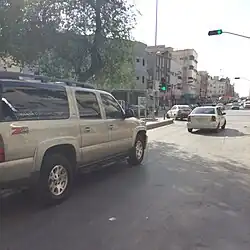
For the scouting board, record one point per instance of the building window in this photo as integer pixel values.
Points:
(137, 78)
(137, 60)
(143, 62)
(191, 67)
(143, 79)
(191, 57)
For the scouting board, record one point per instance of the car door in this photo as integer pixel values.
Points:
(120, 129)
(93, 128)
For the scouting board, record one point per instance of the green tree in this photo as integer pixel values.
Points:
(84, 37)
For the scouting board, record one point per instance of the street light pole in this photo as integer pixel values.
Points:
(156, 22)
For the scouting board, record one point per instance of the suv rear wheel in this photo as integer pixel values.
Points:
(56, 179)
(137, 152)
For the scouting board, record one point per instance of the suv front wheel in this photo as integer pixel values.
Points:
(137, 152)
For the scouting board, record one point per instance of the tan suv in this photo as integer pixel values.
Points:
(50, 131)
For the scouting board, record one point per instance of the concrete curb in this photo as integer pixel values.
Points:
(159, 124)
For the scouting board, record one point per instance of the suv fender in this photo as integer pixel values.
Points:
(138, 130)
(49, 144)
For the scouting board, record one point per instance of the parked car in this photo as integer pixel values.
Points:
(179, 112)
(246, 105)
(49, 132)
(209, 117)
(235, 106)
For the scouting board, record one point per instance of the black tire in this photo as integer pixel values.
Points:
(133, 159)
(224, 125)
(168, 116)
(190, 130)
(50, 162)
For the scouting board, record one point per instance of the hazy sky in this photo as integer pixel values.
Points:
(185, 24)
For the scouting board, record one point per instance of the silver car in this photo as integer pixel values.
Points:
(179, 112)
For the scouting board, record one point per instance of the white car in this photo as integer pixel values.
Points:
(246, 105)
(208, 117)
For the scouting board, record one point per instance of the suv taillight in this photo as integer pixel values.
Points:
(213, 118)
(2, 153)
(189, 118)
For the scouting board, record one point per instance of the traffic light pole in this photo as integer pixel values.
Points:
(220, 32)
(235, 34)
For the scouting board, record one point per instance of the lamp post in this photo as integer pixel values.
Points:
(156, 21)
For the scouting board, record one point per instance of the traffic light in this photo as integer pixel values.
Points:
(163, 85)
(215, 32)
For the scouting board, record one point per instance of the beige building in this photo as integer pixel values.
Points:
(188, 59)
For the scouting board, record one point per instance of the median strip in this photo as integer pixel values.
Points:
(157, 124)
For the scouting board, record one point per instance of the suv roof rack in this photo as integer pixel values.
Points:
(43, 79)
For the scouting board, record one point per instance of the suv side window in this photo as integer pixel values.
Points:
(111, 107)
(24, 101)
(88, 105)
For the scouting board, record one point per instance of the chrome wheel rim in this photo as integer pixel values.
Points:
(58, 180)
(139, 150)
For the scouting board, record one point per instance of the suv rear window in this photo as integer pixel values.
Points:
(22, 101)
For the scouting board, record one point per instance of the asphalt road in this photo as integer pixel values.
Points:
(192, 193)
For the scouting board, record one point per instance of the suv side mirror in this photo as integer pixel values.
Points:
(129, 113)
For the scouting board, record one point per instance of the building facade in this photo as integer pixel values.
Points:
(218, 87)
(176, 92)
(188, 59)
(141, 65)
(203, 86)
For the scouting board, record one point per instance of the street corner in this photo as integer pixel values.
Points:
(159, 123)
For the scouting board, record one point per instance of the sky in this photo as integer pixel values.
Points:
(184, 24)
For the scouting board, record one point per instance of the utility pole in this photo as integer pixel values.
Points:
(156, 22)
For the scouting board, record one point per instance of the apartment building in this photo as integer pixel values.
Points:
(219, 87)
(203, 85)
(141, 65)
(188, 59)
(176, 82)
(159, 60)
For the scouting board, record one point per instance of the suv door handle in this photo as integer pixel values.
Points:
(87, 129)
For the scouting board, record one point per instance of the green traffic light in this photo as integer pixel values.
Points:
(163, 88)
(215, 32)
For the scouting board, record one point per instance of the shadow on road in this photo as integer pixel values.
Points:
(22, 203)
(228, 132)
(188, 199)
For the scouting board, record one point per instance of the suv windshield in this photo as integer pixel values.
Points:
(207, 111)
